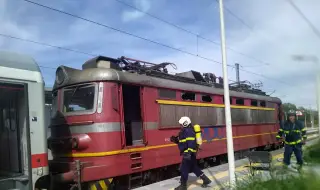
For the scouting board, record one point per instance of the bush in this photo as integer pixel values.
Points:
(279, 179)
(309, 181)
(312, 153)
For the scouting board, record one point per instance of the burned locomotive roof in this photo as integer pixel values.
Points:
(123, 70)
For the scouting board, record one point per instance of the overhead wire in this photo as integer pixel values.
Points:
(45, 44)
(122, 31)
(193, 33)
(127, 33)
(314, 29)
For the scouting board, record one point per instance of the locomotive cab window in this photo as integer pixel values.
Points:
(79, 98)
(188, 96)
(206, 98)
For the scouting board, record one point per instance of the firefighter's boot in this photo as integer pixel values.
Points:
(206, 180)
(182, 186)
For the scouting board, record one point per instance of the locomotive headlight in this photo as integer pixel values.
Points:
(80, 141)
(60, 75)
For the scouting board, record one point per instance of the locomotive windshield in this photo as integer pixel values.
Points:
(79, 98)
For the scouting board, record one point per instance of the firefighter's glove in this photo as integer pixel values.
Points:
(174, 139)
(198, 147)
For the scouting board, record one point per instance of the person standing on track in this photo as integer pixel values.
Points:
(188, 148)
(295, 136)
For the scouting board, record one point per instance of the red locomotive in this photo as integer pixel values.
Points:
(114, 119)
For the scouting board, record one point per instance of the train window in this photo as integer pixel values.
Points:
(164, 93)
(79, 98)
(254, 103)
(188, 96)
(230, 100)
(270, 105)
(206, 98)
(240, 101)
(262, 103)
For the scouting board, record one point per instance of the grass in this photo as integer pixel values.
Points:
(307, 180)
(311, 153)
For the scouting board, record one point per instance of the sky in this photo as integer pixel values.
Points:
(263, 41)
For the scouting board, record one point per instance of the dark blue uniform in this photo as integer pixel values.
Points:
(188, 148)
(295, 135)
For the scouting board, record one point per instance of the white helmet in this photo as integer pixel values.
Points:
(185, 121)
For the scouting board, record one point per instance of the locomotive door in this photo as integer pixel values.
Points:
(132, 117)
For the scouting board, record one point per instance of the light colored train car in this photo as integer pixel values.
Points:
(23, 138)
(48, 114)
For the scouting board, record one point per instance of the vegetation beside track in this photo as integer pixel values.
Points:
(279, 178)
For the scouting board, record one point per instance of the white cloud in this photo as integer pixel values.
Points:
(131, 15)
(278, 33)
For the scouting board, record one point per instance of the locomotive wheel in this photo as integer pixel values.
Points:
(104, 184)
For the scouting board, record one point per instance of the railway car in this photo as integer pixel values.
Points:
(23, 139)
(112, 121)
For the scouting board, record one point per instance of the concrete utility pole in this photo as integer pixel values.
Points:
(232, 176)
(238, 73)
(318, 98)
(311, 118)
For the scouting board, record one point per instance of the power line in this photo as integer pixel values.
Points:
(261, 75)
(81, 52)
(193, 33)
(237, 17)
(76, 51)
(45, 44)
(121, 31)
(314, 29)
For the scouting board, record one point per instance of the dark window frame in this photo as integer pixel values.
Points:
(167, 97)
(206, 95)
(82, 112)
(262, 103)
(256, 103)
(231, 103)
(240, 99)
(188, 92)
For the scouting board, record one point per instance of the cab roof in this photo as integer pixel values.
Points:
(18, 61)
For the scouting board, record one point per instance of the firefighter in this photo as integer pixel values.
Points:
(188, 148)
(295, 136)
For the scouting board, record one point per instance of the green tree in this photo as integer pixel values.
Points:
(288, 106)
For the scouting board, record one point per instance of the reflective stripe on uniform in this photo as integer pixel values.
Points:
(190, 149)
(293, 143)
(187, 139)
(287, 132)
